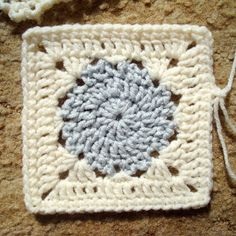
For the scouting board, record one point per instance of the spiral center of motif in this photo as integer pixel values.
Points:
(117, 118)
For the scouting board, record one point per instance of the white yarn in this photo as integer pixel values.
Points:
(180, 175)
(27, 9)
(220, 104)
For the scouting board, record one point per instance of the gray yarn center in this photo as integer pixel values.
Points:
(117, 118)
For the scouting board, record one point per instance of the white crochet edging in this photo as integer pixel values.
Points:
(27, 9)
(43, 84)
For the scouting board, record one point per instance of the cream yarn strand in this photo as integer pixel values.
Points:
(220, 104)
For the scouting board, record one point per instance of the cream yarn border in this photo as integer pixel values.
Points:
(43, 84)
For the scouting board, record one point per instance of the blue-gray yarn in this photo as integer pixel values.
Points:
(117, 118)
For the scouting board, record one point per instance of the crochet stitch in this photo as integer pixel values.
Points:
(56, 62)
(117, 118)
(26, 9)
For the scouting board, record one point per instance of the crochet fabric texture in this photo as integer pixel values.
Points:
(27, 9)
(117, 117)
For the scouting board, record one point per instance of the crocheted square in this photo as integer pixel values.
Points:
(117, 117)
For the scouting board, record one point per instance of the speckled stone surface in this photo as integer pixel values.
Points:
(219, 218)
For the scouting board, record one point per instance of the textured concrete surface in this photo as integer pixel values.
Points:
(219, 218)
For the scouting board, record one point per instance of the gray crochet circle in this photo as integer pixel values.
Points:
(117, 118)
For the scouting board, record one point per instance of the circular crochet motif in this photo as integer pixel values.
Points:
(117, 118)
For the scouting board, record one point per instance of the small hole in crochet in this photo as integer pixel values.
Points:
(44, 96)
(99, 174)
(138, 173)
(41, 48)
(115, 66)
(64, 174)
(84, 189)
(192, 86)
(81, 156)
(66, 120)
(191, 188)
(44, 135)
(60, 139)
(74, 191)
(191, 45)
(60, 65)
(44, 195)
(173, 137)
(95, 189)
(142, 47)
(61, 100)
(138, 63)
(119, 117)
(173, 62)
(175, 98)
(155, 83)
(44, 87)
(79, 82)
(32, 7)
(153, 47)
(173, 170)
(117, 168)
(103, 45)
(189, 141)
(132, 189)
(94, 61)
(154, 154)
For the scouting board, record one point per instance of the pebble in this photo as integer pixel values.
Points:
(104, 6)
(168, 10)
(147, 2)
(122, 4)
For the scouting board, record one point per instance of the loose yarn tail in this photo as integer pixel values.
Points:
(219, 104)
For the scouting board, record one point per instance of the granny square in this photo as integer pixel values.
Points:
(117, 117)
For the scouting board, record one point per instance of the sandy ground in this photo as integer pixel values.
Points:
(219, 218)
